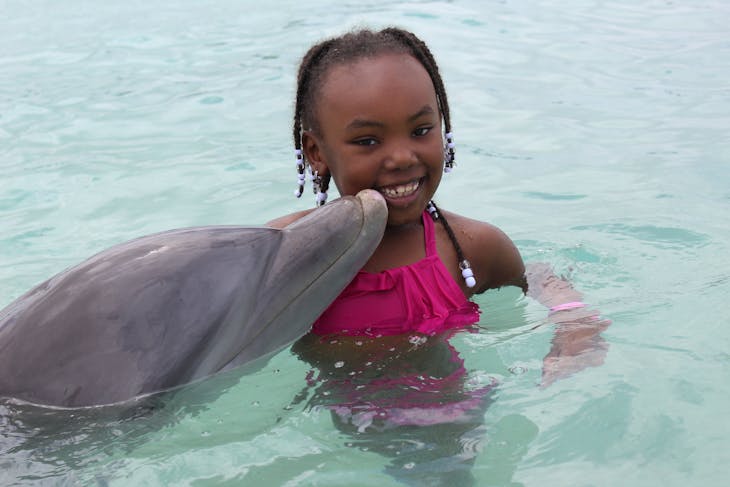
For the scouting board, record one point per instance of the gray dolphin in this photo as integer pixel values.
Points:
(170, 308)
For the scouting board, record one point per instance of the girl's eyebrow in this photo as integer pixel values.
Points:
(364, 123)
(425, 110)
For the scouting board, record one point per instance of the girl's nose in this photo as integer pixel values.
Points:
(400, 157)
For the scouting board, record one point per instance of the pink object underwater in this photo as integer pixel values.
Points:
(405, 396)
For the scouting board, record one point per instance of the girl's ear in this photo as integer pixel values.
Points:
(312, 148)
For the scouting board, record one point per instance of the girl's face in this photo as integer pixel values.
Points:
(380, 128)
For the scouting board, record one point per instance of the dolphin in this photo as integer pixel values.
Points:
(171, 308)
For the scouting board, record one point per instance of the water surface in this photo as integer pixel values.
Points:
(593, 133)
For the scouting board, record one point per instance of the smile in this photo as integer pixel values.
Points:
(401, 190)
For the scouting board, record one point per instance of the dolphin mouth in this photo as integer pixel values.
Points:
(360, 245)
(373, 204)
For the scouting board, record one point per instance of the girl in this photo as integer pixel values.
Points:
(371, 112)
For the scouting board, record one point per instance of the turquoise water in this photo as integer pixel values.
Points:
(593, 133)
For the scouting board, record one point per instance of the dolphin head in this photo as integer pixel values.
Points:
(317, 258)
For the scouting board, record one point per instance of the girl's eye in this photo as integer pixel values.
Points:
(421, 131)
(365, 141)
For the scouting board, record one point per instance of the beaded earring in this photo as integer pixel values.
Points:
(464, 264)
(449, 158)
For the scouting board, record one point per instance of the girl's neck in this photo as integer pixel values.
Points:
(401, 245)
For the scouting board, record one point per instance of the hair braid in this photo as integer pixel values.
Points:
(313, 56)
(464, 265)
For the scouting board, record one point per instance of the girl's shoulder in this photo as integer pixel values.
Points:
(285, 220)
(493, 256)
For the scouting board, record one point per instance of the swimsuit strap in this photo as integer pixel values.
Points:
(429, 234)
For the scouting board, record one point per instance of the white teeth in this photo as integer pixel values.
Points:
(400, 191)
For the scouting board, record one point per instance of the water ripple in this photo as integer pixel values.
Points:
(650, 233)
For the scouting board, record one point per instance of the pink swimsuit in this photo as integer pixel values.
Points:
(420, 297)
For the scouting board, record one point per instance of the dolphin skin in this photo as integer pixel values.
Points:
(174, 307)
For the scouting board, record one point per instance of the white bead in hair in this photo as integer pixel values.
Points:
(431, 208)
(300, 169)
(321, 198)
(450, 140)
(449, 152)
(467, 273)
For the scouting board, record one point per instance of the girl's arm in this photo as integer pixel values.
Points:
(494, 258)
(577, 343)
(496, 262)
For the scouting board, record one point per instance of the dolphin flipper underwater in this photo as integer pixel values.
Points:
(174, 307)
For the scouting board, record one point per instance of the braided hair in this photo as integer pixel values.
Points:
(349, 48)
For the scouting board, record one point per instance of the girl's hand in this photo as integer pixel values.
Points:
(577, 344)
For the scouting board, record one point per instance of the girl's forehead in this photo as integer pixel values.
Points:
(376, 76)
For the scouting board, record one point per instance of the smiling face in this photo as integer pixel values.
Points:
(379, 127)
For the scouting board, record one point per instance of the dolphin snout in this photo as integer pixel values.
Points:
(374, 207)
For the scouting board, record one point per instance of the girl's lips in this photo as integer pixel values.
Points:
(400, 190)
